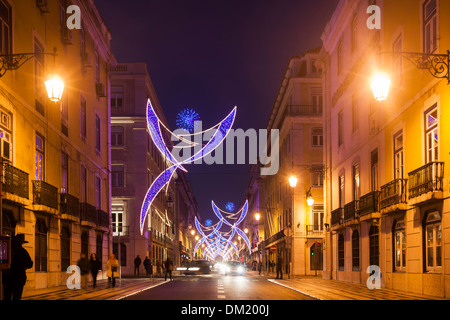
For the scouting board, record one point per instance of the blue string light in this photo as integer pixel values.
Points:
(187, 120)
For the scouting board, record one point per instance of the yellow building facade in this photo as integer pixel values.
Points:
(387, 183)
(56, 187)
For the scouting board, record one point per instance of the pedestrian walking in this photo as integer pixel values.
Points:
(147, 266)
(272, 265)
(260, 266)
(169, 268)
(158, 268)
(14, 278)
(137, 264)
(279, 267)
(112, 270)
(83, 264)
(95, 265)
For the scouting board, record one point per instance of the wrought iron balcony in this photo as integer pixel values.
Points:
(88, 213)
(304, 110)
(336, 216)
(102, 219)
(393, 193)
(428, 178)
(314, 230)
(351, 210)
(369, 203)
(69, 205)
(45, 194)
(15, 181)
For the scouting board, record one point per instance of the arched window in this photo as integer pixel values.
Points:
(65, 247)
(355, 250)
(85, 242)
(399, 245)
(341, 253)
(40, 257)
(433, 241)
(374, 240)
(9, 223)
(99, 247)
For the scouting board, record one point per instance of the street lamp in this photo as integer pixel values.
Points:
(437, 64)
(293, 181)
(309, 198)
(257, 216)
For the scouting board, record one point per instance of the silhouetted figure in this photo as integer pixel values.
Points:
(83, 264)
(15, 278)
(169, 268)
(137, 264)
(148, 266)
(279, 267)
(96, 265)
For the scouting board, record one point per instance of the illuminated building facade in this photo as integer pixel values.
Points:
(387, 184)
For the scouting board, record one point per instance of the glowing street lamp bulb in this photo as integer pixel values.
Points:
(246, 230)
(197, 237)
(310, 201)
(192, 231)
(257, 216)
(55, 88)
(293, 181)
(380, 86)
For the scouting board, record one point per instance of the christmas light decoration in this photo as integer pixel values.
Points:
(155, 126)
(187, 119)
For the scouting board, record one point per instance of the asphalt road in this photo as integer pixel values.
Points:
(219, 287)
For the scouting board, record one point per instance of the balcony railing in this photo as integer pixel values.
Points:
(102, 219)
(336, 216)
(393, 193)
(15, 181)
(428, 178)
(69, 204)
(304, 110)
(351, 210)
(45, 194)
(88, 213)
(314, 229)
(369, 203)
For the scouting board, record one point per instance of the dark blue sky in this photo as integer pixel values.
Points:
(212, 55)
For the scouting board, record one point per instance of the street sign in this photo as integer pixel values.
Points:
(273, 248)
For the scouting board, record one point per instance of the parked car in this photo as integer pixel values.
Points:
(234, 267)
(196, 267)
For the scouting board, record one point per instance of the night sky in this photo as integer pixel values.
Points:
(212, 55)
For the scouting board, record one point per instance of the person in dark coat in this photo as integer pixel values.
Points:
(15, 278)
(169, 267)
(147, 266)
(279, 267)
(83, 264)
(95, 265)
(137, 264)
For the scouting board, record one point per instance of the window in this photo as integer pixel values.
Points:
(39, 158)
(340, 128)
(98, 193)
(40, 257)
(116, 96)
(355, 116)
(397, 66)
(317, 217)
(5, 28)
(83, 184)
(38, 68)
(317, 175)
(97, 134)
(117, 175)
(99, 247)
(117, 214)
(356, 184)
(117, 136)
(374, 254)
(341, 191)
(85, 243)
(433, 238)
(399, 246)
(339, 58)
(64, 172)
(398, 155)
(430, 26)
(317, 137)
(83, 118)
(355, 250)
(374, 170)
(65, 247)
(432, 134)
(317, 101)
(5, 135)
(341, 253)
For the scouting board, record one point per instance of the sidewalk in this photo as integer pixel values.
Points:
(322, 289)
(124, 287)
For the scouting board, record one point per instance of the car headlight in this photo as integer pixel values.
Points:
(181, 268)
(240, 269)
(194, 269)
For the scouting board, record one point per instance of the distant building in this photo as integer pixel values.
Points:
(55, 155)
(387, 185)
(292, 228)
